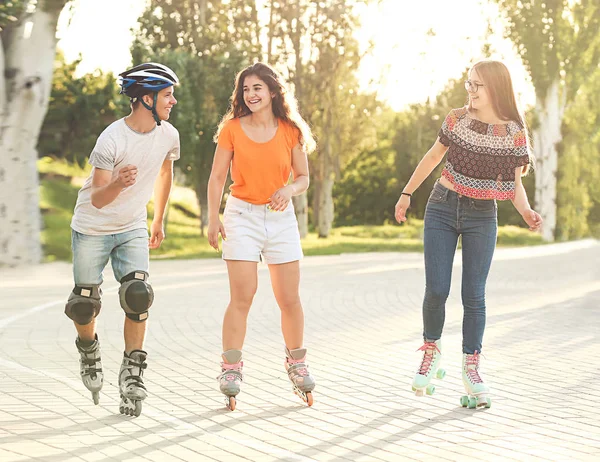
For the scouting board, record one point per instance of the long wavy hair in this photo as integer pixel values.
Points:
(284, 104)
(498, 84)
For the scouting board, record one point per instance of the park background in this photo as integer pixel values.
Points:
(373, 78)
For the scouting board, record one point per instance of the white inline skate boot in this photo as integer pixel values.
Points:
(131, 383)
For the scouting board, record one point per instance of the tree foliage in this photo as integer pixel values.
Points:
(80, 109)
(206, 44)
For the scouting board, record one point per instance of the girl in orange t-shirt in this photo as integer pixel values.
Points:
(264, 140)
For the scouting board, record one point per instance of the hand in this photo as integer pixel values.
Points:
(533, 219)
(126, 176)
(157, 235)
(401, 207)
(214, 228)
(281, 198)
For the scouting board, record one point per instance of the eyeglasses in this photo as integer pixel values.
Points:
(472, 87)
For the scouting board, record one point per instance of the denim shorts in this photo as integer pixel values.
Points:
(127, 251)
(255, 231)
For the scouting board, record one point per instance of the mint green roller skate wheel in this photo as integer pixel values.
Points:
(464, 401)
(472, 404)
(440, 374)
(430, 390)
(488, 403)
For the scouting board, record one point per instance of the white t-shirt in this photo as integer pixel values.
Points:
(117, 146)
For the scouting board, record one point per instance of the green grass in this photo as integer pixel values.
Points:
(48, 166)
(58, 194)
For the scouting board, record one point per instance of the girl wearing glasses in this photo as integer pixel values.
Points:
(487, 154)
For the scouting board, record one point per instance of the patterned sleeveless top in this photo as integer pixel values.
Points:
(482, 158)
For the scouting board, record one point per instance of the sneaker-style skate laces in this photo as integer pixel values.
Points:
(429, 348)
(472, 365)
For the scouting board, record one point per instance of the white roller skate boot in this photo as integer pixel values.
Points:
(131, 383)
(430, 367)
(477, 391)
(90, 367)
(231, 376)
(303, 382)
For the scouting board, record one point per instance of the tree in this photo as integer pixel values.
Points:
(79, 110)
(559, 44)
(27, 48)
(579, 198)
(314, 40)
(206, 44)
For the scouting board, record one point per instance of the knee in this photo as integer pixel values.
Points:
(289, 303)
(84, 304)
(474, 304)
(241, 300)
(474, 300)
(136, 295)
(436, 296)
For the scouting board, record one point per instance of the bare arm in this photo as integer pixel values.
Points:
(521, 203)
(162, 189)
(105, 190)
(300, 169)
(429, 161)
(216, 183)
(281, 197)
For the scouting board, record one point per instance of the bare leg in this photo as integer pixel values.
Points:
(134, 333)
(285, 279)
(86, 332)
(243, 281)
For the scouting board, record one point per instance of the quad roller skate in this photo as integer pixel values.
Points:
(477, 391)
(90, 367)
(430, 367)
(131, 383)
(303, 382)
(231, 376)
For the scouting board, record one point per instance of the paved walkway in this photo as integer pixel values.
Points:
(363, 324)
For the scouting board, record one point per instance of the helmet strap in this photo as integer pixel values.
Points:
(152, 108)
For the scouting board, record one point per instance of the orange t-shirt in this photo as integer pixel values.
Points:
(258, 169)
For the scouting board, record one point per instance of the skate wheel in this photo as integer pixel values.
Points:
(440, 374)
(96, 397)
(472, 404)
(230, 402)
(138, 408)
(464, 401)
(488, 403)
(309, 398)
(430, 390)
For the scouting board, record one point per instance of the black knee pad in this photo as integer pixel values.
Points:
(84, 304)
(136, 295)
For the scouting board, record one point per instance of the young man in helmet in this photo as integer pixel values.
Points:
(133, 158)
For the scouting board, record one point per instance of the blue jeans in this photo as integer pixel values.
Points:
(447, 216)
(127, 251)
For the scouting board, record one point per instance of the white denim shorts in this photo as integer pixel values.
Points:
(255, 231)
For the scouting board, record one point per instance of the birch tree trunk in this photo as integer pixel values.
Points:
(547, 134)
(325, 198)
(25, 84)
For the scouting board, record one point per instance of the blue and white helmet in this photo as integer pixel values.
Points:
(146, 78)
